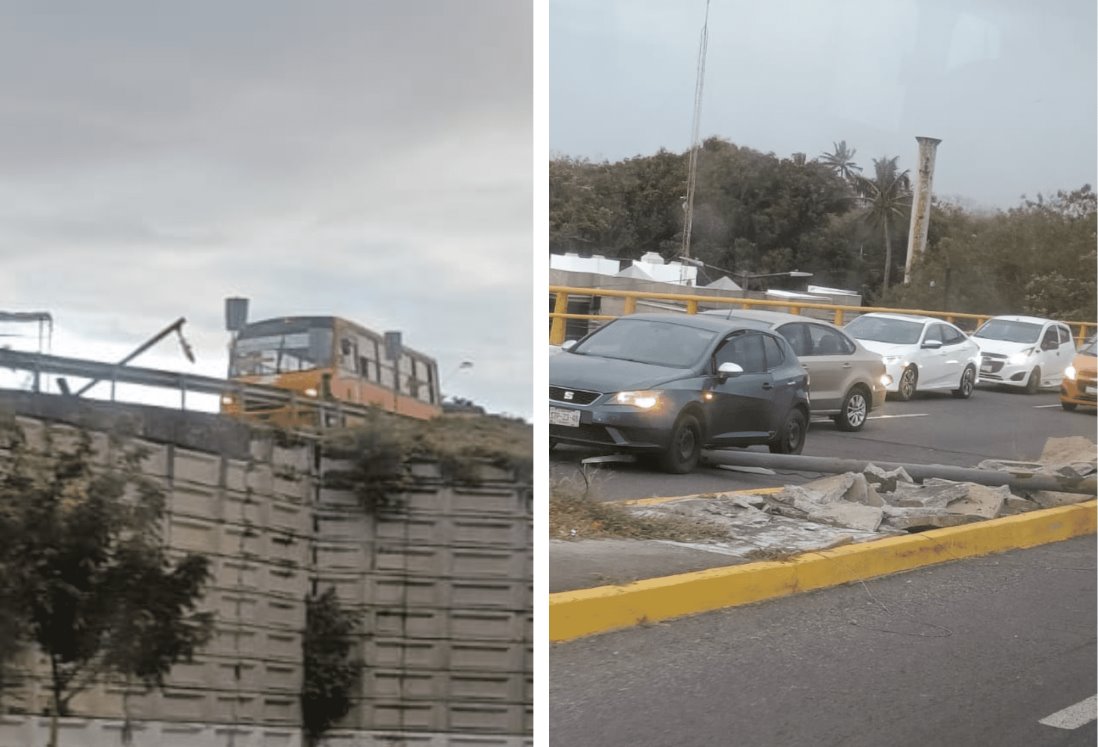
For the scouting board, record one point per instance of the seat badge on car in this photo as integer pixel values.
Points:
(569, 395)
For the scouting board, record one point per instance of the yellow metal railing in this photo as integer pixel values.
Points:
(559, 315)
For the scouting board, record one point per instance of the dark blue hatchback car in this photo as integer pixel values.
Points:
(669, 384)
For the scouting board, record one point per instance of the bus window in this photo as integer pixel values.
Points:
(386, 375)
(368, 363)
(406, 375)
(425, 380)
(348, 354)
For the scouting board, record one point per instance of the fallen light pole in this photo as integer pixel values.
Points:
(176, 326)
(1021, 479)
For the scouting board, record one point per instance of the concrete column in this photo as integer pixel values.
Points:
(920, 204)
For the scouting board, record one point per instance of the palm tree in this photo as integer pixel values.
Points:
(887, 195)
(841, 161)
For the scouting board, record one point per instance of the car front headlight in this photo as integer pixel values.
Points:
(1019, 358)
(644, 400)
(890, 359)
(1070, 373)
(886, 380)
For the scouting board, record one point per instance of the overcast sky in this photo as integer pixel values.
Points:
(370, 160)
(1009, 86)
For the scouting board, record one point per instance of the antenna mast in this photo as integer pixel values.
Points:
(692, 168)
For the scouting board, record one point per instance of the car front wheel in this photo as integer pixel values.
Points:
(790, 439)
(909, 380)
(968, 383)
(1033, 383)
(854, 411)
(682, 454)
(1069, 406)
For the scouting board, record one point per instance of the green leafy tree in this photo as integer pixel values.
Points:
(1037, 258)
(86, 568)
(758, 213)
(749, 204)
(330, 670)
(888, 198)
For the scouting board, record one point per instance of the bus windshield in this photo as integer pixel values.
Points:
(295, 347)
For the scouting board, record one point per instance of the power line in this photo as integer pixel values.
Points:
(695, 135)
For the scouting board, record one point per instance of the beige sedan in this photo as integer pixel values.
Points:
(846, 381)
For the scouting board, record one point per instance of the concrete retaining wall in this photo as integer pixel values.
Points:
(23, 731)
(442, 585)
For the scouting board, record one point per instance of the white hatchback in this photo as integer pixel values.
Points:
(919, 352)
(1024, 351)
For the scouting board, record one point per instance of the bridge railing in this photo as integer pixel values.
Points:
(688, 303)
(319, 411)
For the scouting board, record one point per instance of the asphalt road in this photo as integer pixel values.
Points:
(932, 428)
(969, 653)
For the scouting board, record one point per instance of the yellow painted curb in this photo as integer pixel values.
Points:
(574, 614)
(706, 496)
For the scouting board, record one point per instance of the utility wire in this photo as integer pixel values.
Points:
(695, 136)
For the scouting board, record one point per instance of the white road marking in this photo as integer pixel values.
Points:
(1074, 716)
(1038, 407)
(826, 418)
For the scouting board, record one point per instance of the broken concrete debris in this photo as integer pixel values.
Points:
(907, 505)
(886, 479)
(1071, 458)
(877, 501)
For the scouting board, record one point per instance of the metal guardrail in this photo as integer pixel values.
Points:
(327, 412)
(559, 315)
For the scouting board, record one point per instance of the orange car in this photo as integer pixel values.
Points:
(1079, 385)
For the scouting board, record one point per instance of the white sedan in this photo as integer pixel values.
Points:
(920, 352)
(1024, 351)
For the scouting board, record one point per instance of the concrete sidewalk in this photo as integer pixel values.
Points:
(582, 564)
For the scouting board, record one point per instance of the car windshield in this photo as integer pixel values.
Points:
(648, 341)
(883, 329)
(1001, 329)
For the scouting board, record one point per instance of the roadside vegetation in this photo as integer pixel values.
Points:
(575, 514)
(759, 213)
(383, 449)
(84, 576)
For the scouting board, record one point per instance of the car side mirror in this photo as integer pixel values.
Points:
(729, 369)
(932, 344)
(568, 345)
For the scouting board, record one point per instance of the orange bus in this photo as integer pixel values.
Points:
(325, 358)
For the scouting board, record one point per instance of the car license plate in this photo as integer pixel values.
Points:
(985, 367)
(1088, 390)
(560, 416)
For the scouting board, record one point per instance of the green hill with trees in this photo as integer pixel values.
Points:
(758, 213)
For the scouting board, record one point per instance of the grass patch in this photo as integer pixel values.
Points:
(449, 439)
(573, 514)
(383, 447)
